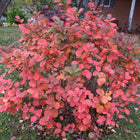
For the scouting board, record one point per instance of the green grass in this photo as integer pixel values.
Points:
(126, 130)
(9, 35)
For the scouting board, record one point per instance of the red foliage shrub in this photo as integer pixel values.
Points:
(73, 76)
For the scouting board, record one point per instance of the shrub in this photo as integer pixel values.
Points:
(13, 12)
(73, 76)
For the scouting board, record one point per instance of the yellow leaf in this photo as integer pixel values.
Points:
(117, 125)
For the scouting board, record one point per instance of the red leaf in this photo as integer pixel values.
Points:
(121, 116)
(63, 134)
(50, 100)
(81, 115)
(57, 131)
(112, 57)
(82, 127)
(98, 68)
(42, 42)
(101, 81)
(32, 83)
(33, 119)
(36, 76)
(88, 102)
(90, 60)
(87, 73)
(86, 121)
(42, 64)
(42, 121)
(23, 29)
(76, 99)
(58, 125)
(38, 112)
(79, 52)
(100, 91)
(127, 76)
(36, 102)
(126, 111)
(101, 119)
(95, 73)
(81, 108)
(57, 105)
(81, 66)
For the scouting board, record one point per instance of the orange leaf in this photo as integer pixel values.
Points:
(99, 108)
(104, 99)
(55, 113)
(61, 76)
(107, 105)
(82, 127)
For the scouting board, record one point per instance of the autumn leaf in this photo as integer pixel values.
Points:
(82, 127)
(61, 76)
(81, 108)
(111, 57)
(23, 29)
(57, 131)
(86, 121)
(57, 105)
(126, 111)
(42, 42)
(90, 60)
(127, 76)
(33, 119)
(99, 108)
(104, 99)
(58, 125)
(17, 53)
(36, 102)
(100, 91)
(63, 134)
(101, 81)
(38, 112)
(101, 119)
(42, 121)
(79, 52)
(32, 83)
(107, 105)
(87, 73)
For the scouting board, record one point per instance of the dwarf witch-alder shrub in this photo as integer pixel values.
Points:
(73, 76)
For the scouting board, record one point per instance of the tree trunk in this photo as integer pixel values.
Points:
(4, 8)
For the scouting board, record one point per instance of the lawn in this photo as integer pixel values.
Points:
(9, 35)
(10, 125)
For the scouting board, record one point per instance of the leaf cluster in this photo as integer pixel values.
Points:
(74, 75)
